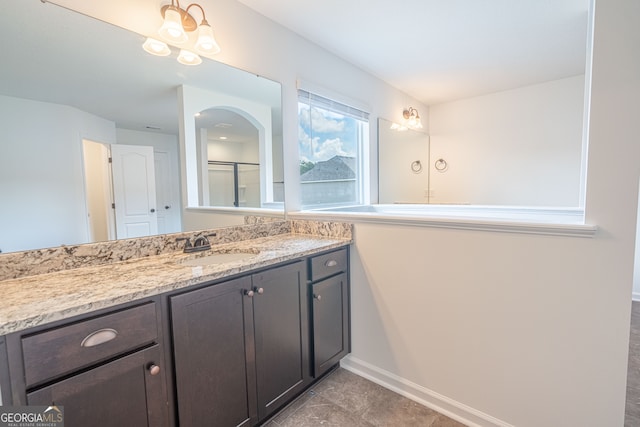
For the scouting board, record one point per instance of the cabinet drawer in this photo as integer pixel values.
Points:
(328, 264)
(68, 348)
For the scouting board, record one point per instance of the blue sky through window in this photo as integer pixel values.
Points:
(323, 134)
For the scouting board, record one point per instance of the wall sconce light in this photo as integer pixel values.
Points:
(412, 118)
(177, 23)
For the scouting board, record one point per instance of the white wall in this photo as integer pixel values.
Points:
(41, 173)
(636, 268)
(224, 151)
(531, 330)
(518, 147)
(203, 220)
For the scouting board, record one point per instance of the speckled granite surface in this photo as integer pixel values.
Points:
(322, 228)
(38, 299)
(41, 261)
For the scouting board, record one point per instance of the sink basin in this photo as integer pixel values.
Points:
(217, 258)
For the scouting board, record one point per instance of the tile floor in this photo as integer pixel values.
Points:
(632, 413)
(343, 399)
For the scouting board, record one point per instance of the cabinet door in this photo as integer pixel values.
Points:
(330, 322)
(125, 392)
(213, 342)
(281, 335)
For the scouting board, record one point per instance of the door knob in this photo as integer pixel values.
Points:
(259, 290)
(318, 297)
(153, 210)
(248, 293)
(167, 207)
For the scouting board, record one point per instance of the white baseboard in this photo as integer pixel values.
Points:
(635, 296)
(429, 398)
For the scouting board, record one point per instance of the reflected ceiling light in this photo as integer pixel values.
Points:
(156, 47)
(206, 43)
(398, 127)
(173, 27)
(187, 57)
(412, 118)
(177, 22)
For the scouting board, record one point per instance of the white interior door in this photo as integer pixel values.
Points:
(134, 191)
(167, 193)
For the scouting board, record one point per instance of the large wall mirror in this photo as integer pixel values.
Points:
(404, 164)
(72, 88)
(519, 147)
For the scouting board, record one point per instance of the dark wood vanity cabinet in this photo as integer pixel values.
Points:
(329, 292)
(106, 371)
(214, 355)
(241, 347)
(238, 350)
(124, 392)
(281, 332)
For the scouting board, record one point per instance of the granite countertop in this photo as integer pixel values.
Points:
(35, 300)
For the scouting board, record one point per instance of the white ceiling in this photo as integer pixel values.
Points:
(442, 50)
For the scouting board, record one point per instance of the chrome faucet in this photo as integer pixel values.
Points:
(201, 243)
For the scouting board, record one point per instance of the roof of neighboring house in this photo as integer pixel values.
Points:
(337, 167)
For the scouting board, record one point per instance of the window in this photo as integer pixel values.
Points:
(331, 140)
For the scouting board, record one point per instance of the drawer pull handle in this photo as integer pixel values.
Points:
(98, 337)
(331, 263)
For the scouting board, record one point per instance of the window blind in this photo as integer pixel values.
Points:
(327, 104)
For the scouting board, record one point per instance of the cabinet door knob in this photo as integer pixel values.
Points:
(318, 297)
(249, 293)
(154, 369)
(259, 290)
